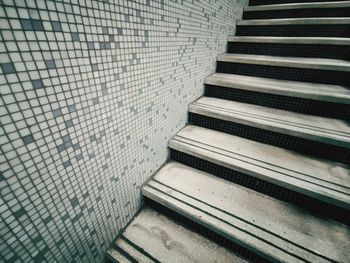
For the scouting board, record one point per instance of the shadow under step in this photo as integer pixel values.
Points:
(153, 237)
(318, 136)
(310, 98)
(295, 27)
(317, 70)
(298, 10)
(311, 47)
(273, 229)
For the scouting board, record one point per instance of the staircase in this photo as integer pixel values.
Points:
(261, 172)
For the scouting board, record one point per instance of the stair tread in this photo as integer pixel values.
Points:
(307, 5)
(296, 21)
(295, 62)
(324, 180)
(292, 40)
(152, 237)
(316, 128)
(314, 91)
(275, 229)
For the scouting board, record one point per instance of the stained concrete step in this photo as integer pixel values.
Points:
(153, 237)
(323, 180)
(312, 91)
(294, 62)
(274, 229)
(304, 5)
(315, 128)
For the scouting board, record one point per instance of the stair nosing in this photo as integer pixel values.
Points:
(307, 5)
(296, 21)
(246, 83)
(291, 40)
(291, 62)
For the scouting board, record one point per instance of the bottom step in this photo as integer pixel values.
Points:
(270, 228)
(152, 237)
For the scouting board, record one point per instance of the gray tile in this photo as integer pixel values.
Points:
(37, 84)
(28, 139)
(8, 68)
(56, 26)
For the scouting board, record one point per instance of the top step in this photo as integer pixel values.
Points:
(274, 2)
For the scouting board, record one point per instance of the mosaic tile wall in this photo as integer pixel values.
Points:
(91, 91)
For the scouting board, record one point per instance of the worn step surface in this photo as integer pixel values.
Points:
(318, 70)
(324, 180)
(153, 237)
(298, 10)
(269, 227)
(315, 128)
(321, 92)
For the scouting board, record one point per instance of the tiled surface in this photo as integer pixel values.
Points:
(91, 91)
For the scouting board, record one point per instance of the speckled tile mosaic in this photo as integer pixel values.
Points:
(91, 91)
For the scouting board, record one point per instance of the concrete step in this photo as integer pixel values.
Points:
(312, 135)
(290, 62)
(303, 5)
(295, 27)
(317, 70)
(325, 130)
(301, 10)
(313, 47)
(153, 237)
(292, 40)
(273, 229)
(312, 91)
(296, 21)
(322, 180)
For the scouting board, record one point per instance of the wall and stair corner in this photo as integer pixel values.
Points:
(91, 92)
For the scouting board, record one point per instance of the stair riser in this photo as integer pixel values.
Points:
(285, 73)
(264, 187)
(204, 231)
(294, 30)
(304, 146)
(297, 13)
(291, 50)
(313, 107)
(272, 2)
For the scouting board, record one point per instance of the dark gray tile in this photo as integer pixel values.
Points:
(66, 164)
(56, 26)
(37, 83)
(28, 139)
(91, 45)
(26, 24)
(50, 64)
(74, 201)
(37, 25)
(56, 113)
(75, 36)
(69, 123)
(8, 68)
(72, 108)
